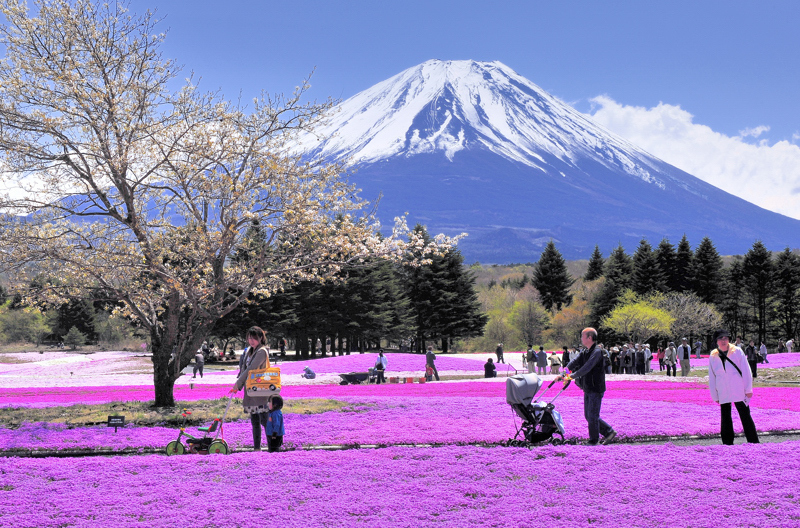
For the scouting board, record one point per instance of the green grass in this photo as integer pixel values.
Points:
(142, 413)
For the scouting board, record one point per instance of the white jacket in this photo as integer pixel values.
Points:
(726, 384)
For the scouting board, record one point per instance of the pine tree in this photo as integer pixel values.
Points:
(707, 271)
(617, 272)
(731, 298)
(683, 278)
(551, 278)
(647, 277)
(758, 269)
(787, 293)
(666, 261)
(443, 300)
(595, 269)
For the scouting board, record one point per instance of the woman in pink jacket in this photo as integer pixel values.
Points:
(730, 381)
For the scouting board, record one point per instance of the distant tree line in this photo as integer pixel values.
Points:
(365, 305)
(756, 295)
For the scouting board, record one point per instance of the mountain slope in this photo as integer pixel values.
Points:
(473, 146)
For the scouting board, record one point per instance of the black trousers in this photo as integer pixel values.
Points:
(727, 423)
(274, 443)
(380, 379)
(258, 420)
(753, 367)
(674, 373)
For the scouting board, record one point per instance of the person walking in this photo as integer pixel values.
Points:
(614, 360)
(660, 357)
(589, 374)
(752, 357)
(541, 361)
(763, 352)
(789, 346)
(730, 382)
(430, 361)
(255, 358)
(499, 353)
(698, 347)
(380, 367)
(648, 359)
(684, 353)
(670, 358)
(555, 363)
(565, 359)
(199, 362)
(530, 359)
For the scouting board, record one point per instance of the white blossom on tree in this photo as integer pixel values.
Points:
(119, 187)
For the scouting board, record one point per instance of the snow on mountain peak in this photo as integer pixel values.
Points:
(450, 106)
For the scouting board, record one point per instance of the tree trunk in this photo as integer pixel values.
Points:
(445, 342)
(341, 344)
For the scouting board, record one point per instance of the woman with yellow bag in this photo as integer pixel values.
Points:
(256, 357)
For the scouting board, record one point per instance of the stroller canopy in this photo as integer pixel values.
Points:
(521, 389)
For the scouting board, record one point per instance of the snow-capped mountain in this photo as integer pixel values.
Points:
(473, 146)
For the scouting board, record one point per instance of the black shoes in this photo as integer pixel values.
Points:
(609, 438)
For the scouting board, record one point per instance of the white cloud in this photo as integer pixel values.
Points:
(766, 175)
(753, 132)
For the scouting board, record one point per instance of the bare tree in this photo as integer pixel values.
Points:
(120, 188)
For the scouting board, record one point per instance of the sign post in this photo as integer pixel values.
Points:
(116, 421)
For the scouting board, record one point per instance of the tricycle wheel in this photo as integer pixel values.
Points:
(175, 448)
(218, 447)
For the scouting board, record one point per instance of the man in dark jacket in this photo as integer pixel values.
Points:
(588, 371)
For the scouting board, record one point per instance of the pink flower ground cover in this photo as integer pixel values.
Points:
(787, 398)
(396, 363)
(414, 420)
(454, 486)
(775, 361)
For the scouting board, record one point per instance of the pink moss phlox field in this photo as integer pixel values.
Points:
(775, 361)
(459, 486)
(412, 420)
(786, 398)
(396, 363)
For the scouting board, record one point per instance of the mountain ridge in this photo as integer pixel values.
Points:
(472, 146)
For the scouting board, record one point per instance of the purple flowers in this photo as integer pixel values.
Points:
(459, 486)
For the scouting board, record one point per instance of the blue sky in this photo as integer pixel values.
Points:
(732, 64)
(710, 86)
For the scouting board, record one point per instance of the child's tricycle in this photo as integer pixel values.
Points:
(205, 445)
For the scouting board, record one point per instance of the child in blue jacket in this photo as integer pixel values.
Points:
(274, 427)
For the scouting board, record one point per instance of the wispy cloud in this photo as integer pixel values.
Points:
(753, 132)
(764, 174)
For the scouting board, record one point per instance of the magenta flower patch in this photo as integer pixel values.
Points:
(459, 486)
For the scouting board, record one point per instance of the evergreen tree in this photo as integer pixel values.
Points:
(595, 269)
(787, 293)
(707, 271)
(758, 269)
(647, 277)
(731, 298)
(682, 279)
(666, 261)
(551, 278)
(617, 272)
(443, 300)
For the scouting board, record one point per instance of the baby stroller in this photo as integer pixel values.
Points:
(540, 421)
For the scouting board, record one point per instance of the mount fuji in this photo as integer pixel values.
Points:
(473, 146)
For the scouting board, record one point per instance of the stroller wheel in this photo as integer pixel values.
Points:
(175, 448)
(557, 441)
(218, 447)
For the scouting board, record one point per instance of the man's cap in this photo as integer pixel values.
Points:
(672, 343)
(684, 339)
(721, 333)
